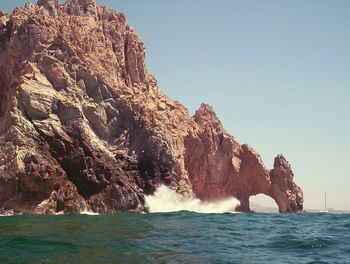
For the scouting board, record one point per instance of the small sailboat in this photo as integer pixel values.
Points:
(325, 203)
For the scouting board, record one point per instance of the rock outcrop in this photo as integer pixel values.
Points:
(220, 167)
(84, 125)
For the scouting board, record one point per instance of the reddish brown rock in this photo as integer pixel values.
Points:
(220, 167)
(83, 124)
(286, 193)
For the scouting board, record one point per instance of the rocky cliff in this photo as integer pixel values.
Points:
(84, 125)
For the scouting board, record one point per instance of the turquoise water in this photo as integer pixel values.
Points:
(181, 237)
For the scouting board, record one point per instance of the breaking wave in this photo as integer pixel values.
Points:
(167, 200)
(7, 214)
(88, 212)
(85, 212)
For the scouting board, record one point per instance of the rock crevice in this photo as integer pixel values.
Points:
(84, 125)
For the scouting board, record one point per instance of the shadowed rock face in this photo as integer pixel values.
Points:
(84, 125)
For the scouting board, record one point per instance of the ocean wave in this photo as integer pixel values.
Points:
(7, 213)
(59, 213)
(87, 212)
(167, 200)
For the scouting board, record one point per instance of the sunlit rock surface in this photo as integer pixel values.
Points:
(84, 125)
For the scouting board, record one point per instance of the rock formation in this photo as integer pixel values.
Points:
(220, 167)
(84, 125)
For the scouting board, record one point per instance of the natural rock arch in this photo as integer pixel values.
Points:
(75, 96)
(220, 167)
(263, 203)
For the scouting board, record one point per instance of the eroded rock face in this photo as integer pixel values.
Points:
(288, 195)
(84, 126)
(219, 167)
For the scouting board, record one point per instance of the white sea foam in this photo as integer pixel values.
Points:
(86, 212)
(167, 200)
(59, 213)
(7, 214)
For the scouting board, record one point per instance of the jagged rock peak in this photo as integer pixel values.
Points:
(78, 7)
(288, 195)
(87, 3)
(48, 2)
(50, 5)
(83, 125)
(205, 108)
(206, 115)
(281, 163)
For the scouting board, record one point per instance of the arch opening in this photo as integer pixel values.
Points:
(263, 203)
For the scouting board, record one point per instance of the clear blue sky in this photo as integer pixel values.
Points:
(276, 72)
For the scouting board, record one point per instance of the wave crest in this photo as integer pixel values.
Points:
(165, 200)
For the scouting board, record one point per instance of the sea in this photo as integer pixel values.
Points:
(180, 236)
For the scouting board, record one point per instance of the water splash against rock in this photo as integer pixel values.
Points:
(84, 124)
(167, 200)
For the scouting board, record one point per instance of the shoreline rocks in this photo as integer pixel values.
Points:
(84, 125)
